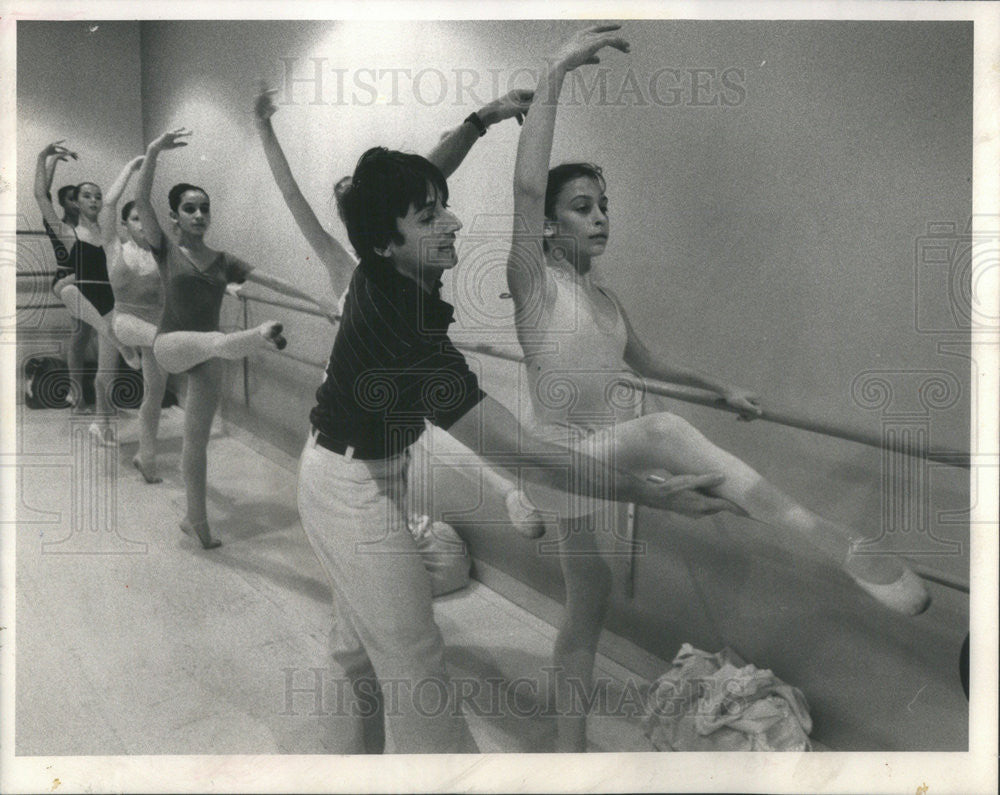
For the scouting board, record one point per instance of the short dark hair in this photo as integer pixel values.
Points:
(66, 193)
(127, 209)
(385, 184)
(567, 172)
(178, 190)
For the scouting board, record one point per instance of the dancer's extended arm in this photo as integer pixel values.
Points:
(108, 219)
(337, 261)
(44, 172)
(654, 365)
(325, 305)
(151, 229)
(526, 263)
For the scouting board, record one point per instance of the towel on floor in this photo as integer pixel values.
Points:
(717, 702)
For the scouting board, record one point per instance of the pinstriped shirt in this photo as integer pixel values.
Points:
(392, 366)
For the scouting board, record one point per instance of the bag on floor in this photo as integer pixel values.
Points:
(47, 383)
(716, 702)
(444, 554)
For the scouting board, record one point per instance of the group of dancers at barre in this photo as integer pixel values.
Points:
(393, 369)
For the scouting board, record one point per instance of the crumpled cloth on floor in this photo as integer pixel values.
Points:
(717, 702)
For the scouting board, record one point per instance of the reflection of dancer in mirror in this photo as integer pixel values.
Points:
(567, 209)
(188, 339)
(448, 155)
(82, 280)
(138, 289)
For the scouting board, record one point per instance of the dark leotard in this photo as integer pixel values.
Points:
(64, 266)
(193, 294)
(91, 266)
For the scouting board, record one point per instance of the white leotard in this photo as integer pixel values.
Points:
(573, 378)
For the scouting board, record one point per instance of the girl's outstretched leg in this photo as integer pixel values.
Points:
(154, 379)
(202, 398)
(669, 442)
(80, 307)
(587, 578)
(178, 351)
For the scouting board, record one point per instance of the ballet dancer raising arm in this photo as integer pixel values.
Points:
(138, 288)
(81, 282)
(447, 155)
(569, 213)
(110, 231)
(188, 339)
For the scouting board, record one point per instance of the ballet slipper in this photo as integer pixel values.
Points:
(147, 476)
(201, 532)
(131, 356)
(523, 515)
(105, 436)
(272, 333)
(906, 595)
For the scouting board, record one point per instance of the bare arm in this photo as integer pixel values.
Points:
(326, 306)
(455, 143)
(143, 190)
(494, 433)
(653, 365)
(44, 172)
(108, 220)
(337, 261)
(526, 263)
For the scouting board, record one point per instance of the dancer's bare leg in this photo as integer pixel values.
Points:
(587, 578)
(668, 442)
(179, 351)
(107, 364)
(154, 380)
(203, 384)
(76, 352)
(80, 307)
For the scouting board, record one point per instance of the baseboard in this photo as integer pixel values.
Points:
(635, 660)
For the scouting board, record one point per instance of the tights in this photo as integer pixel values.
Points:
(178, 351)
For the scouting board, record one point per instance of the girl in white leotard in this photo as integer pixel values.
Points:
(566, 209)
(138, 288)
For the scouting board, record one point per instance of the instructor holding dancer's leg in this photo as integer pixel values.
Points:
(393, 366)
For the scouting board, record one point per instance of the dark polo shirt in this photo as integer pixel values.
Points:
(392, 366)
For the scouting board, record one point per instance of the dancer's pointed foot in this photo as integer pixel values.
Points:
(523, 515)
(104, 435)
(271, 331)
(148, 471)
(905, 594)
(201, 532)
(131, 356)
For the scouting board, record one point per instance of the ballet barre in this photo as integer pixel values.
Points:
(696, 396)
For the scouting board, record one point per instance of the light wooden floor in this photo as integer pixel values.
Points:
(136, 641)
